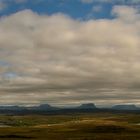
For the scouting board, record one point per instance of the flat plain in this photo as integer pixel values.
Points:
(87, 126)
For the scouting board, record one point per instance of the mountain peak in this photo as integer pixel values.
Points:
(87, 106)
(45, 106)
(125, 107)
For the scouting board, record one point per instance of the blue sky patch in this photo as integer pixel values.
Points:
(74, 8)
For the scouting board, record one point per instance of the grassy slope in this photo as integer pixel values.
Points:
(72, 127)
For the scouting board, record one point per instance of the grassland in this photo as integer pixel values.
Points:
(96, 126)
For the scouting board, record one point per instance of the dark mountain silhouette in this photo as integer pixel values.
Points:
(11, 108)
(83, 108)
(42, 107)
(45, 106)
(125, 107)
(87, 106)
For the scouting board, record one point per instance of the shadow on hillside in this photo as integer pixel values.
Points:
(16, 136)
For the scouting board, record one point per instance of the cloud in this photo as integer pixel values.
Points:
(20, 1)
(7, 3)
(2, 5)
(97, 8)
(112, 1)
(126, 13)
(87, 1)
(61, 60)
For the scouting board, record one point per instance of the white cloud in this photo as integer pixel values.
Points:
(113, 1)
(126, 13)
(97, 8)
(59, 59)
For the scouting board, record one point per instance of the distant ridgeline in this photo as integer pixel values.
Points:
(48, 109)
(125, 107)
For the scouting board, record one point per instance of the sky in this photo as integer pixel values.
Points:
(69, 52)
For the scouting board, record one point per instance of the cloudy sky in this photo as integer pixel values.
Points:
(68, 52)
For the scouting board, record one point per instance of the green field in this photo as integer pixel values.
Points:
(96, 126)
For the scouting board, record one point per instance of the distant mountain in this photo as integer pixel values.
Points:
(125, 107)
(45, 107)
(48, 109)
(87, 106)
(11, 107)
(42, 107)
